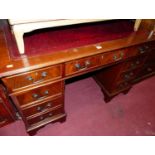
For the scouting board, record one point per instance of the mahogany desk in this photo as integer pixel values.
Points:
(33, 85)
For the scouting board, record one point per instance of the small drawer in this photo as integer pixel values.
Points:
(38, 94)
(118, 87)
(138, 50)
(122, 86)
(147, 70)
(111, 57)
(42, 106)
(133, 64)
(81, 65)
(45, 116)
(127, 76)
(34, 77)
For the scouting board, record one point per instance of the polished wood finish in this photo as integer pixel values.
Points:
(121, 77)
(34, 82)
(35, 94)
(32, 78)
(43, 117)
(39, 61)
(7, 112)
(43, 106)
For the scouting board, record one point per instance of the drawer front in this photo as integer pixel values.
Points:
(43, 106)
(34, 77)
(119, 55)
(134, 63)
(146, 71)
(46, 116)
(128, 76)
(118, 87)
(139, 50)
(80, 65)
(38, 94)
(112, 57)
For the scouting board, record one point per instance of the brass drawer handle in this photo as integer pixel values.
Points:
(122, 85)
(48, 105)
(50, 114)
(134, 64)
(116, 58)
(79, 67)
(128, 76)
(149, 69)
(41, 118)
(141, 49)
(37, 97)
(39, 108)
(29, 78)
(43, 76)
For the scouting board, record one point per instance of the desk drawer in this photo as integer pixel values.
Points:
(148, 69)
(34, 77)
(81, 65)
(128, 76)
(43, 106)
(38, 94)
(49, 115)
(111, 57)
(134, 63)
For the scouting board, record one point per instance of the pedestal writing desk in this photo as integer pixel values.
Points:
(34, 83)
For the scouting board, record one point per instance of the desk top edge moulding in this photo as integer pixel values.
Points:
(19, 27)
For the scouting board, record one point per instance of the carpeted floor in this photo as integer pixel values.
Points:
(131, 114)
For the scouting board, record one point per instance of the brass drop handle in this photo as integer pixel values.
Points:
(87, 63)
(142, 50)
(43, 75)
(85, 66)
(36, 96)
(29, 78)
(39, 108)
(50, 114)
(131, 74)
(41, 117)
(117, 58)
(46, 92)
(77, 66)
(49, 104)
(149, 69)
(127, 76)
